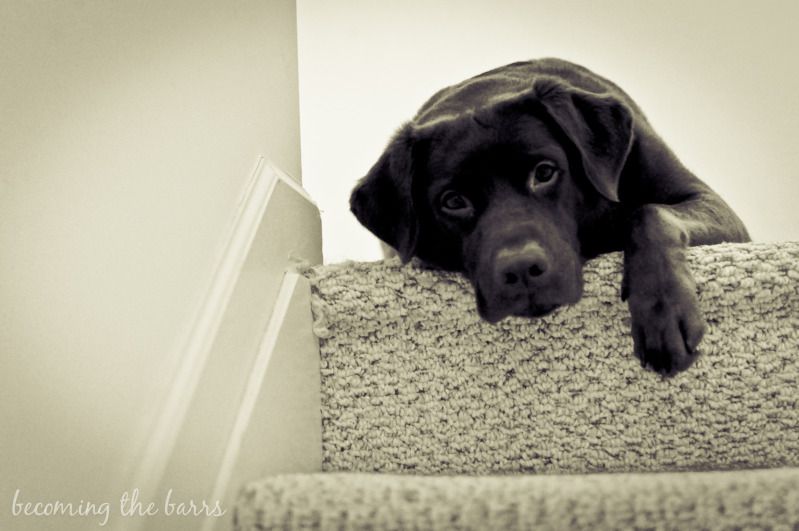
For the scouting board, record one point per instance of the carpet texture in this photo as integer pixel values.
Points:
(413, 381)
(680, 501)
(415, 386)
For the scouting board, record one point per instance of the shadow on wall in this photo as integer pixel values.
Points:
(129, 133)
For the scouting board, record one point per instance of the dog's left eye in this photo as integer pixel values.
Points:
(543, 173)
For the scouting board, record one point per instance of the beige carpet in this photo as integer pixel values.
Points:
(414, 383)
(679, 501)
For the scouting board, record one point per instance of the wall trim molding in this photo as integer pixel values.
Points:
(194, 350)
(278, 424)
(253, 388)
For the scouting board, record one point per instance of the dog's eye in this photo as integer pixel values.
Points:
(543, 173)
(455, 204)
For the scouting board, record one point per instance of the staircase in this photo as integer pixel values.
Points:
(433, 419)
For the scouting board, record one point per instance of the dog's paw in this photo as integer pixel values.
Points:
(667, 325)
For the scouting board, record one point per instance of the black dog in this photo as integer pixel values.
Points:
(519, 175)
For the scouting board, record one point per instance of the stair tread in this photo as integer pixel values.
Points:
(413, 381)
(735, 499)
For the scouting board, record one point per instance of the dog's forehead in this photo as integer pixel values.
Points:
(471, 96)
(475, 136)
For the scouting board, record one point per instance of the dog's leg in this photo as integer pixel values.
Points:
(667, 324)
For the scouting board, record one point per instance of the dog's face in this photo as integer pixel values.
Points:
(499, 192)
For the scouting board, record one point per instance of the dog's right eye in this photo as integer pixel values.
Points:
(455, 204)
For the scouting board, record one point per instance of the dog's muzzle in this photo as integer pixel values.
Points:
(526, 280)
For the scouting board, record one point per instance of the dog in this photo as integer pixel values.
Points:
(518, 176)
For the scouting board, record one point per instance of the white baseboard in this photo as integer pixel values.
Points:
(278, 427)
(192, 448)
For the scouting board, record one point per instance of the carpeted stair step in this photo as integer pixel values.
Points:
(685, 500)
(413, 382)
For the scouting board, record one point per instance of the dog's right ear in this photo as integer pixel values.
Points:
(383, 199)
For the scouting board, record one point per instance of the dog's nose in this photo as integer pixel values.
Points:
(518, 267)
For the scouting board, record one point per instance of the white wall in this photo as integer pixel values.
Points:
(127, 132)
(718, 79)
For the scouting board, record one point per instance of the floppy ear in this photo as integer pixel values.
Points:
(383, 199)
(600, 127)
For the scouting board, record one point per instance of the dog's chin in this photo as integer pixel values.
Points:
(537, 311)
(497, 312)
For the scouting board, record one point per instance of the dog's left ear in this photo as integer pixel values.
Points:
(600, 127)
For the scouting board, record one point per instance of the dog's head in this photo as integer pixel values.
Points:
(496, 185)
